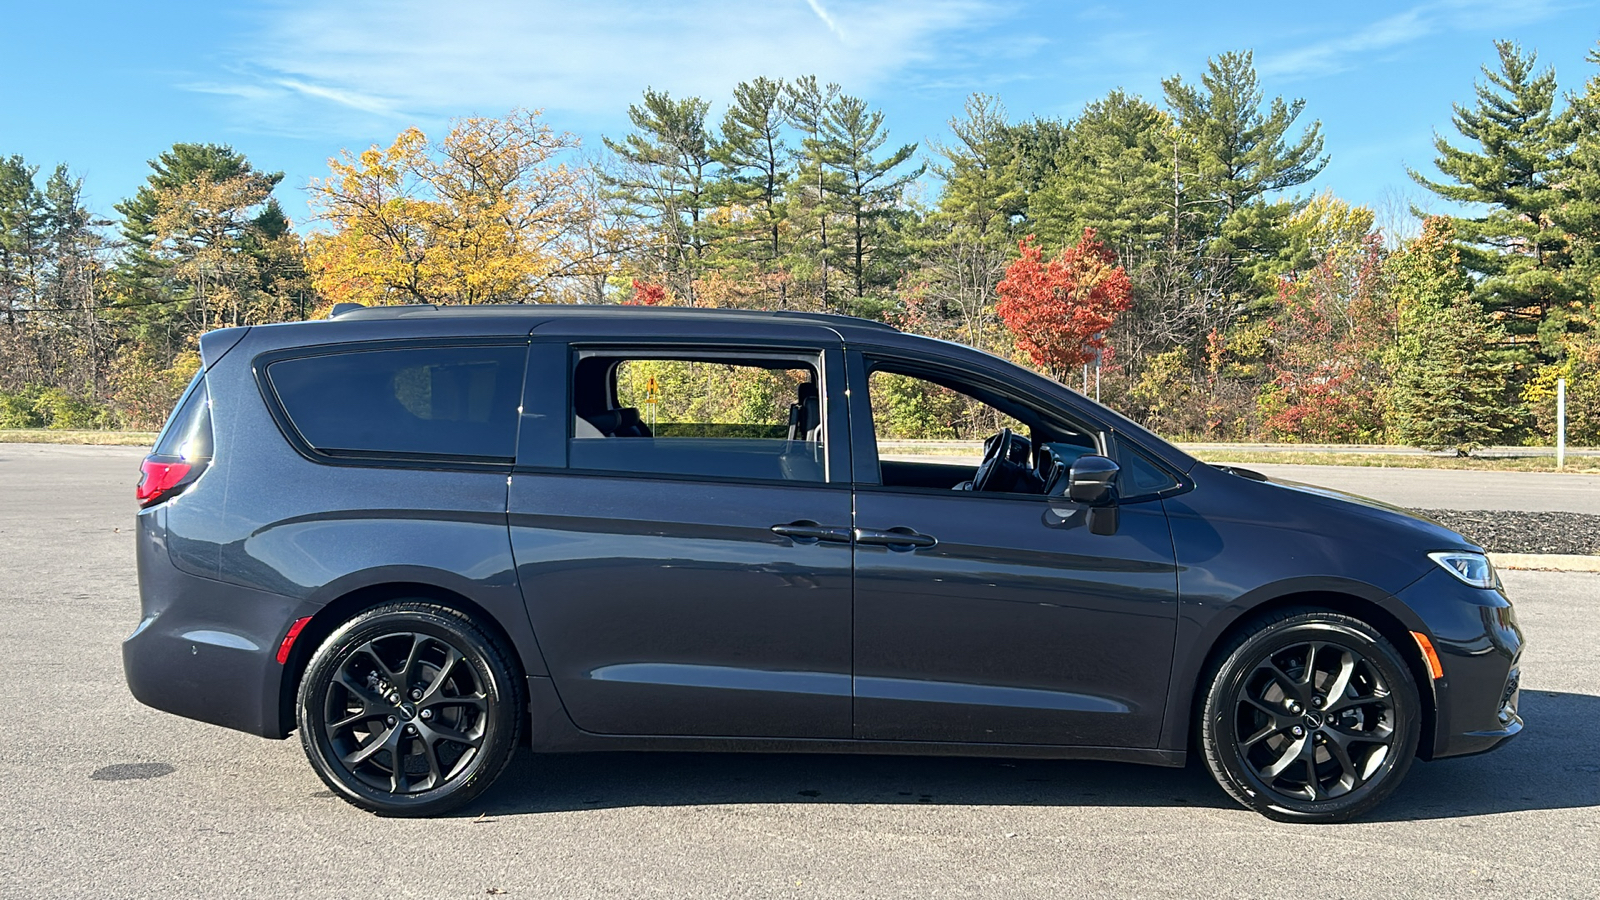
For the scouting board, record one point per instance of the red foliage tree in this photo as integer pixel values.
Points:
(1058, 310)
(646, 294)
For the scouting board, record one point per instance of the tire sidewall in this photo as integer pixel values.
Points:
(1241, 663)
(477, 653)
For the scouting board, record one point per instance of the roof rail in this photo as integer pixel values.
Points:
(340, 309)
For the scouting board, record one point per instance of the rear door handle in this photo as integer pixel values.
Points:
(900, 538)
(808, 532)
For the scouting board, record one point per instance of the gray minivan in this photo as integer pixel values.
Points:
(425, 536)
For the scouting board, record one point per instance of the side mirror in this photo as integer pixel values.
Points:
(1092, 481)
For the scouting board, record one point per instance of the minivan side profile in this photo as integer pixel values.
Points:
(422, 537)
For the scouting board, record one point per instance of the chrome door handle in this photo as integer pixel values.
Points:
(900, 538)
(807, 532)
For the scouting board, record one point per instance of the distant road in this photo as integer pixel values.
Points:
(975, 448)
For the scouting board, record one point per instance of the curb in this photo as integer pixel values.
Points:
(1546, 562)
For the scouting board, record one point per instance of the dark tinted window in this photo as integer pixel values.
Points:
(433, 401)
(187, 434)
(1140, 476)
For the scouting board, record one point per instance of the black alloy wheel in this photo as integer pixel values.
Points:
(1312, 717)
(410, 709)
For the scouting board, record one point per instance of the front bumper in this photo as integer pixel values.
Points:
(1479, 643)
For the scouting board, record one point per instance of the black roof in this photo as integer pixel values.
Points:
(352, 312)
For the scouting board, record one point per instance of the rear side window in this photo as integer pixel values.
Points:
(433, 402)
(707, 415)
(187, 435)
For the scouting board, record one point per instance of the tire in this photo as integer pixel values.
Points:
(416, 682)
(1353, 746)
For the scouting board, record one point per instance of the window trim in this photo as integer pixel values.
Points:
(836, 457)
(393, 459)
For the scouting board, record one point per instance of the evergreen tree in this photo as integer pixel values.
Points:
(1517, 246)
(982, 188)
(21, 237)
(668, 179)
(755, 159)
(1451, 387)
(867, 189)
(1115, 176)
(1579, 183)
(1234, 151)
(814, 186)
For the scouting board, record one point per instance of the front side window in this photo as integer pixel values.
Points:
(434, 402)
(933, 432)
(711, 415)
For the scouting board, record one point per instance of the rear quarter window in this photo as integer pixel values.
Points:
(433, 402)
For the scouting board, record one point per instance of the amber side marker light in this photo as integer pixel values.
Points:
(1430, 654)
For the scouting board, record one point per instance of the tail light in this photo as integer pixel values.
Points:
(159, 480)
(183, 449)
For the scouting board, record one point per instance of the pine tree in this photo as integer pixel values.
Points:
(867, 189)
(1115, 177)
(1517, 247)
(755, 160)
(21, 238)
(1233, 153)
(1451, 386)
(668, 178)
(812, 190)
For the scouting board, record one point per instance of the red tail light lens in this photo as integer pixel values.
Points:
(159, 479)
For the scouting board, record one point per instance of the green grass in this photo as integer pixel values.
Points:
(68, 436)
(1576, 464)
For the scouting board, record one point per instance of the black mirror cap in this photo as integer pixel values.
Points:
(1093, 481)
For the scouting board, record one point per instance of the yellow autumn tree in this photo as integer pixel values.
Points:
(489, 214)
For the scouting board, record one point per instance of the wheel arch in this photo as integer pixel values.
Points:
(1365, 609)
(350, 604)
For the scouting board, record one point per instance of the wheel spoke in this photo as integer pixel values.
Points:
(1312, 782)
(1266, 732)
(1341, 680)
(451, 659)
(1338, 749)
(351, 719)
(371, 653)
(443, 733)
(388, 741)
(411, 661)
(1291, 753)
(1310, 673)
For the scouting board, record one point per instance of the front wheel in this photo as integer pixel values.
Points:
(409, 709)
(1311, 716)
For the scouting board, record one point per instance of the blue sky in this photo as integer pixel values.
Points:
(104, 86)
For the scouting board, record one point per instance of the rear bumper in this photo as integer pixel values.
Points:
(1480, 648)
(204, 649)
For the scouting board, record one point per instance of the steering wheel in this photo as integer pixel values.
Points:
(995, 449)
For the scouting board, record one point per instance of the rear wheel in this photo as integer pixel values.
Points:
(1311, 716)
(409, 709)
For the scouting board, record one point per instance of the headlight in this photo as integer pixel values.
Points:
(1471, 568)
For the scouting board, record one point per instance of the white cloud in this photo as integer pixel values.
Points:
(1426, 20)
(340, 66)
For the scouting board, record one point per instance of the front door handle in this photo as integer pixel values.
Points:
(808, 532)
(900, 538)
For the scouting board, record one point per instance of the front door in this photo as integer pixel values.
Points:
(996, 616)
(689, 571)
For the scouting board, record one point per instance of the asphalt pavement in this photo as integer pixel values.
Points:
(101, 797)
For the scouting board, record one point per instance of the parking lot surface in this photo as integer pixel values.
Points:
(101, 797)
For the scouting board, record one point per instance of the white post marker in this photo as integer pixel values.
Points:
(1561, 423)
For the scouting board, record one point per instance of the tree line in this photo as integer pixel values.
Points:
(1170, 241)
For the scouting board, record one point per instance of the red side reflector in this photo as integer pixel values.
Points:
(288, 639)
(1431, 655)
(158, 478)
